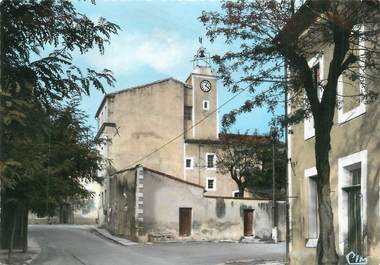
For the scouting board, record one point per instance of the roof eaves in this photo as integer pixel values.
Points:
(173, 178)
(300, 21)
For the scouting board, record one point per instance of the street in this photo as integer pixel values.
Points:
(77, 245)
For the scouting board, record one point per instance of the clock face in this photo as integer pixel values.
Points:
(205, 85)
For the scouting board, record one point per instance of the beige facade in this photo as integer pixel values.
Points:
(152, 124)
(355, 171)
(146, 205)
(169, 126)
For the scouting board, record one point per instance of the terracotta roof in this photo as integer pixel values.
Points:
(123, 170)
(243, 198)
(304, 17)
(245, 138)
(173, 177)
(300, 21)
(230, 137)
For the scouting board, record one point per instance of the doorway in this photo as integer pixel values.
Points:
(184, 221)
(248, 222)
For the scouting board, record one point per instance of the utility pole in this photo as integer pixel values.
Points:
(291, 11)
(274, 136)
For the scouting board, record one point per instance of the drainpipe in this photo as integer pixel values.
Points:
(199, 164)
(274, 135)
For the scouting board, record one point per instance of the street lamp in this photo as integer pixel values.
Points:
(274, 139)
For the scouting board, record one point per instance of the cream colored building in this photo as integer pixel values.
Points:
(355, 175)
(167, 125)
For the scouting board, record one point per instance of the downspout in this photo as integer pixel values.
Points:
(199, 164)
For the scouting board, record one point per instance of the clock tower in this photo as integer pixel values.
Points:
(204, 99)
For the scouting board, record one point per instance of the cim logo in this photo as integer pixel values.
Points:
(356, 259)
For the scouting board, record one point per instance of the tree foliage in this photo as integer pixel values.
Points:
(273, 39)
(47, 150)
(38, 39)
(248, 160)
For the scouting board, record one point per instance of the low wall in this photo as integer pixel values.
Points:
(224, 218)
(213, 218)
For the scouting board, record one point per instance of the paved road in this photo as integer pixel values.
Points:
(76, 245)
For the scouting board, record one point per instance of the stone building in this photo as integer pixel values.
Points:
(169, 129)
(172, 116)
(354, 172)
(148, 205)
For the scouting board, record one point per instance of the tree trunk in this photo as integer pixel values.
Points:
(9, 205)
(326, 250)
(24, 227)
(12, 235)
(241, 190)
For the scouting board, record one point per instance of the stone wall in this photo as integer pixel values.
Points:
(160, 198)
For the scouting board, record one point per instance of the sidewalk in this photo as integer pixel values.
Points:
(107, 235)
(20, 258)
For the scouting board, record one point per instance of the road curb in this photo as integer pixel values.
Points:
(118, 240)
(33, 246)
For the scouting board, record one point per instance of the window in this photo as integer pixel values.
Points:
(211, 184)
(188, 112)
(206, 104)
(316, 64)
(236, 194)
(352, 82)
(189, 163)
(352, 201)
(354, 236)
(312, 211)
(308, 124)
(210, 161)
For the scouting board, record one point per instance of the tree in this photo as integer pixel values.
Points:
(271, 38)
(38, 39)
(64, 157)
(248, 161)
(71, 158)
(30, 29)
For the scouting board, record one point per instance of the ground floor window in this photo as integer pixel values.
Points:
(352, 200)
(312, 207)
(354, 235)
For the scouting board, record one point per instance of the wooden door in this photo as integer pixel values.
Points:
(184, 221)
(248, 222)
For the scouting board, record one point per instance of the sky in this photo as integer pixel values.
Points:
(157, 40)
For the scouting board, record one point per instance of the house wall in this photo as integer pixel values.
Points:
(358, 134)
(121, 214)
(212, 217)
(147, 118)
(225, 185)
